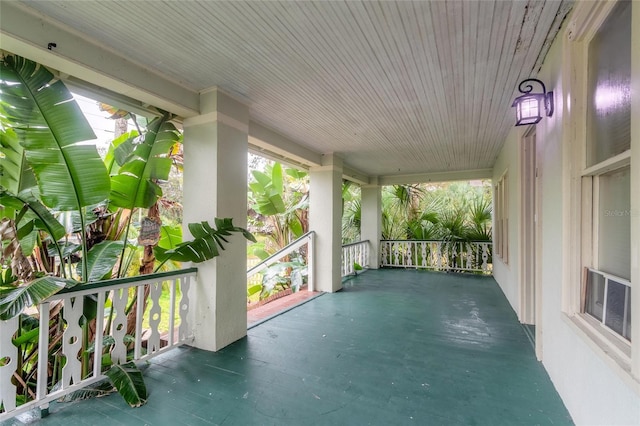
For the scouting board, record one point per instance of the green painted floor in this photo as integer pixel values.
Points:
(396, 347)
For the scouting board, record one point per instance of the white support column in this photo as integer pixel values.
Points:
(215, 185)
(325, 218)
(371, 220)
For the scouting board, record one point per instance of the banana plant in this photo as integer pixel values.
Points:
(48, 171)
(52, 130)
(281, 206)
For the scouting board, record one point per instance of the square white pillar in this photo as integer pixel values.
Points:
(215, 185)
(371, 220)
(325, 218)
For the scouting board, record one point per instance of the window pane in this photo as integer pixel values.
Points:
(609, 87)
(614, 223)
(616, 306)
(626, 331)
(595, 295)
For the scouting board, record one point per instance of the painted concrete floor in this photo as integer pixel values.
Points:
(395, 347)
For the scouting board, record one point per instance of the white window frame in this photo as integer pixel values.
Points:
(579, 239)
(501, 200)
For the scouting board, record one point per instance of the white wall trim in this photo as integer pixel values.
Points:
(436, 177)
(218, 118)
(614, 359)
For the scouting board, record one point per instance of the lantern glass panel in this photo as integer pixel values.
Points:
(529, 108)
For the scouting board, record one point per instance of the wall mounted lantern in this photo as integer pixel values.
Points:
(529, 106)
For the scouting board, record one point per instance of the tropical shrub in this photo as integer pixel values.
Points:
(278, 214)
(66, 214)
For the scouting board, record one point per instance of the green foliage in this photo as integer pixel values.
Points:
(14, 300)
(135, 185)
(282, 275)
(206, 243)
(351, 212)
(127, 379)
(15, 173)
(50, 175)
(170, 236)
(102, 258)
(454, 211)
(51, 127)
(267, 191)
(278, 199)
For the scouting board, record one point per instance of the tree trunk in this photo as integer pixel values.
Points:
(146, 267)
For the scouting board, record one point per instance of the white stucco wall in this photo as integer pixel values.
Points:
(593, 389)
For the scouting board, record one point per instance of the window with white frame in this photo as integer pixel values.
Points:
(606, 176)
(501, 247)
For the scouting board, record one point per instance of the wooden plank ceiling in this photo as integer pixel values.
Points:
(393, 87)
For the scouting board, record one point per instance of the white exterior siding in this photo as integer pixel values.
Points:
(595, 389)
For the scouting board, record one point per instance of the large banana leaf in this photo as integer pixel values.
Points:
(128, 380)
(51, 128)
(13, 301)
(170, 236)
(36, 217)
(267, 190)
(135, 184)
(15, 173)
(119, 149)
(206, 243)
(101, 259)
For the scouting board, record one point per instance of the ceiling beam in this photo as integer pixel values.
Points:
(263, 139)
(436, 177)
(355, 176)
(28, 33)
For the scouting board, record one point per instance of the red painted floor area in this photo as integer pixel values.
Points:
(277, 306)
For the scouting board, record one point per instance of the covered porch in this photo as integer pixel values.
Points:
(382, 93)
(393, 347)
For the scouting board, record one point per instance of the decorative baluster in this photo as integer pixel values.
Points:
(394, 250)
(183, 329)
(72, 341)
(485, 257)
(119, 325)
(470, 256)
(9, 357)
(172, 310)
(97, 361)
(410, 252)
(352, 258)
(155, 313)
(454, 262)
(383, 254)
(423, 246)
(345, 263)
(137, 345)
(43, 353)
(439, 255)
(367, 261)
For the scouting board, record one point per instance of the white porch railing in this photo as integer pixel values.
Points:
(354, 253)
(307, 239)
(81, 369)
(436, 255)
